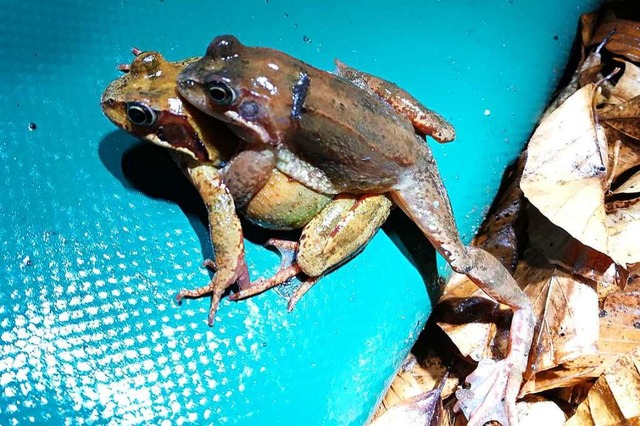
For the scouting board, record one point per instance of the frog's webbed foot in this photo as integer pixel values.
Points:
(424, 120)
(289, 268)
(490, 393)
(223, 278)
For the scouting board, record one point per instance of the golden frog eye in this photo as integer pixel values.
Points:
(140, 114)
(221, 93)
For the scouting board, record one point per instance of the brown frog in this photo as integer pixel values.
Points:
(144, 103)
(356, 133)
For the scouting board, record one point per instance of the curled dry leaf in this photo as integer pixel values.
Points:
(628, 86)
(473, 321)
(624, 228)
(423, 409)
(615, 397)
(500, 232)
(620, 323)
(563, 250)
(619, 332)
(630, 186)
(565, 171)
(587, 26)
(624, 117)
(625, 40)
(566, 311)
(624, 152)
(565, 174)
(536, 410)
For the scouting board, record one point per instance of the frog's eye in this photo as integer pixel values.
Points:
(220, 93)
(140, 114)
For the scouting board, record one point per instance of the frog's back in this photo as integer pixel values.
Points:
(357, 137)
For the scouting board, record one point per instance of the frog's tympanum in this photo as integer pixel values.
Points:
(144, 102)
(358, 134)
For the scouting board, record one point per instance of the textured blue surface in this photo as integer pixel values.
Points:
(94, 247)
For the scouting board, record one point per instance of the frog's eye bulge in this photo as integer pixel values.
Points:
(140, 114)
(220, 93)
(224, 47)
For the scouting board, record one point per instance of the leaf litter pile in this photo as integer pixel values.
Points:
(567, 225)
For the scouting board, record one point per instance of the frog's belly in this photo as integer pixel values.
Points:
(284, 204)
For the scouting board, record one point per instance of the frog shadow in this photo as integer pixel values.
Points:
(147, 168)
(417, 249)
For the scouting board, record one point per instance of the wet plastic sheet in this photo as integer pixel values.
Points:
(98, 232)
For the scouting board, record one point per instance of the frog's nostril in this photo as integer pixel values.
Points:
(186, 83)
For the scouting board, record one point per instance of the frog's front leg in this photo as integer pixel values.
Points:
(493, 386)
(226, 237)
(424, 120)
(332, 237)
(247, 173)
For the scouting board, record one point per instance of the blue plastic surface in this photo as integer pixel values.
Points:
(95, 241)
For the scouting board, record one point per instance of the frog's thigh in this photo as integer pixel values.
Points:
(423, 119)
(341, 229)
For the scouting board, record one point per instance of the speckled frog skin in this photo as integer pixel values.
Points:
(356, 133)
(144, 103)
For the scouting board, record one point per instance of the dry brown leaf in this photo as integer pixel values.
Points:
(624, 117)
(619, 332)
(559, 378)
(563, 250)
(419, 410)
(624, 228)
(587, 26)
(473, 321)
(624, 41)
(630, 186)
(536, 410)
(633, 284)
(615, 397)
(628, 86)
(619, 323)
(624, 152)
(566, 311)
(419, 376)
(565, 171)
(501, 230)
(564, 178)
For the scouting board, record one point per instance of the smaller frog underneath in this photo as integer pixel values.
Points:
(356, 133)
(144, 103)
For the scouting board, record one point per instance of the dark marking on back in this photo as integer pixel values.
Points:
(299, 95)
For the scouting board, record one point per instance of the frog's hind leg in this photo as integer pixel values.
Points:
(331, 238)
(424, 120)
(421, 195)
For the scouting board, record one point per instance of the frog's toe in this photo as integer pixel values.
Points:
(301, 291)
(211, 264)
(286, 249)
(262, 285)
(490, 393)
(215, 288)
(195, 293)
